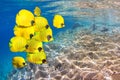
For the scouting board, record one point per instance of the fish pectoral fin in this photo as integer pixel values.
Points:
(14, 64)
(18, 66)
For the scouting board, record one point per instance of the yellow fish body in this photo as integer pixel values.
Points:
(44, 35)
(17, 44)
(34, 46)
(37, 11)
(36, 57)
(58, 21)
(27, 33)
(25, 18)
(41, 24)
(18, 62)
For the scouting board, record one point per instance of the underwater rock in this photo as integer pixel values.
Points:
(115, 76)
(76, 25)
(104, 29)
(99, 76)
(64, 72)
(98, 39)
(41, 74)
(90, 75)
(93, 27)
(58, 77)
(93, 55)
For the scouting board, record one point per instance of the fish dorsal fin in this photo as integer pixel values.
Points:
(37, 11)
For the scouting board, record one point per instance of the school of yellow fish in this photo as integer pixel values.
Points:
(30, 31)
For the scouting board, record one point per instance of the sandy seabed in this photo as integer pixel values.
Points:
(78, 54)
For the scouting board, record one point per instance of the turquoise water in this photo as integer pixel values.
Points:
(72, 12)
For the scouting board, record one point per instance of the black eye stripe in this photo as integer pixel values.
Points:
(26, 46)
(32, 22)
(31, 35)
(23, 63)
(44, 60)
(39, 49)
(47, 26)
(49, 37)
(62, 24)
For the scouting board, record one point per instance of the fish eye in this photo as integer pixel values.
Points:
(47, 26)
(26, 46)
(49, 37)
(39, 49)
(24, 63)
(44, 60)
(32, 22)
(31, 35)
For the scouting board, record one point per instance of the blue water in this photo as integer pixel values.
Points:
(9, 9)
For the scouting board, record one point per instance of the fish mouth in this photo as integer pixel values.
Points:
(62, 25)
